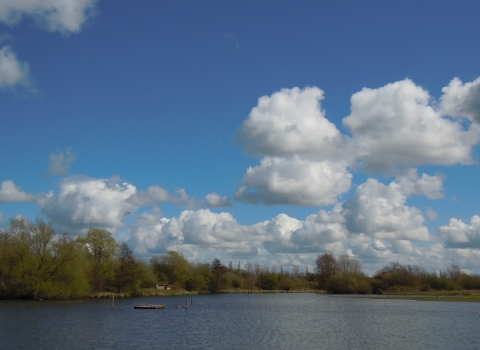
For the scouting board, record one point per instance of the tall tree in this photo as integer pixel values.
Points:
(218, 272)
(326, 267)
(126, 272)
(100, 248)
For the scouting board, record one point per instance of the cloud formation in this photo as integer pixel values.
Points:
(374, 225)
(457, 234)
(84, 202)
(462, 100)
(13, 72)
(9, 192)
(306, 160)
(200, 229)
(426, 185)
(379, 211)
(214, 200)
(65, 16)
(294, 181)
(395, 127)
(291, 123)
(60, 162)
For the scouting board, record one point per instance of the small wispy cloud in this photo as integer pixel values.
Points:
(13, 73)
(214, 200)
(60, 162)
(65, 16)
(234, 41)
(432, 214)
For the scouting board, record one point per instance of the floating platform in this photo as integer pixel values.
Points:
(151, 306)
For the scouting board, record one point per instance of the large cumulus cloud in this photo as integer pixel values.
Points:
(395, 126)
(304, 154)
(202, 229)
(306, 160)
(82, 202)
(375, 225)
(379, 211)
(291, 122)
(294, 181)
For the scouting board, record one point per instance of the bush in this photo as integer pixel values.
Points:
(268, 281)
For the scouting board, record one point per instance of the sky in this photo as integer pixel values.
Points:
(250, 131)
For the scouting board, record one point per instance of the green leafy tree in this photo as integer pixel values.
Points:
(268, 281)
(173, 267)
(35, 263)
(99, 246)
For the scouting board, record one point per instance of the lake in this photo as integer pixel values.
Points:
(240, 321)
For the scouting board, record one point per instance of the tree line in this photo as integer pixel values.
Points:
(343, 275)
(35, 263)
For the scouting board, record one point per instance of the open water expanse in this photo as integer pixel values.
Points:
(240, 321)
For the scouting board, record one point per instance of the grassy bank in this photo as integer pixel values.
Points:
(451, 295)
(261, 291)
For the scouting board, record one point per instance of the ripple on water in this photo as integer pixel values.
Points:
(243, 321)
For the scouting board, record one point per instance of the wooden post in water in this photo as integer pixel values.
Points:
(113, 299)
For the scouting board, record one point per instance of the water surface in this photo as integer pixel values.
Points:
(240, 321)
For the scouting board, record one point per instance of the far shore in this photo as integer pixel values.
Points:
(455, 295)
(444, 295)
(151, 292)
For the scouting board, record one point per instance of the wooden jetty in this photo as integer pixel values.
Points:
(151, 306)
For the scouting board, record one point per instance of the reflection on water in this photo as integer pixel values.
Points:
(243, 321)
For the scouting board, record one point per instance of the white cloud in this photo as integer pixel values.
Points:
(9, 192)
(291, 122)
(426, 185)
(379, 211)
(60, 162)
(376, 213)
(394, 126)
(318, 232)
(462, 100)
(214, 200)
(152, 196)
(13, 72)
(203, 229)
(83, 202)
(294, 181)
(457, 234)
(65, 16)
(306, 159)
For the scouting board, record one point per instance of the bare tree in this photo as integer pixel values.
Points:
(347, 264)
(325, 269)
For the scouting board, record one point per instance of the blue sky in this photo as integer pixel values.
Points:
(244, 130)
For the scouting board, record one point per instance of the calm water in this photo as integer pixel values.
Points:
(252, 321)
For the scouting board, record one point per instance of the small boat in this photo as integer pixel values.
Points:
(150, 306)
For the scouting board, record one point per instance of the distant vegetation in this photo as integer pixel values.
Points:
(343, 276)
(35, 263)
